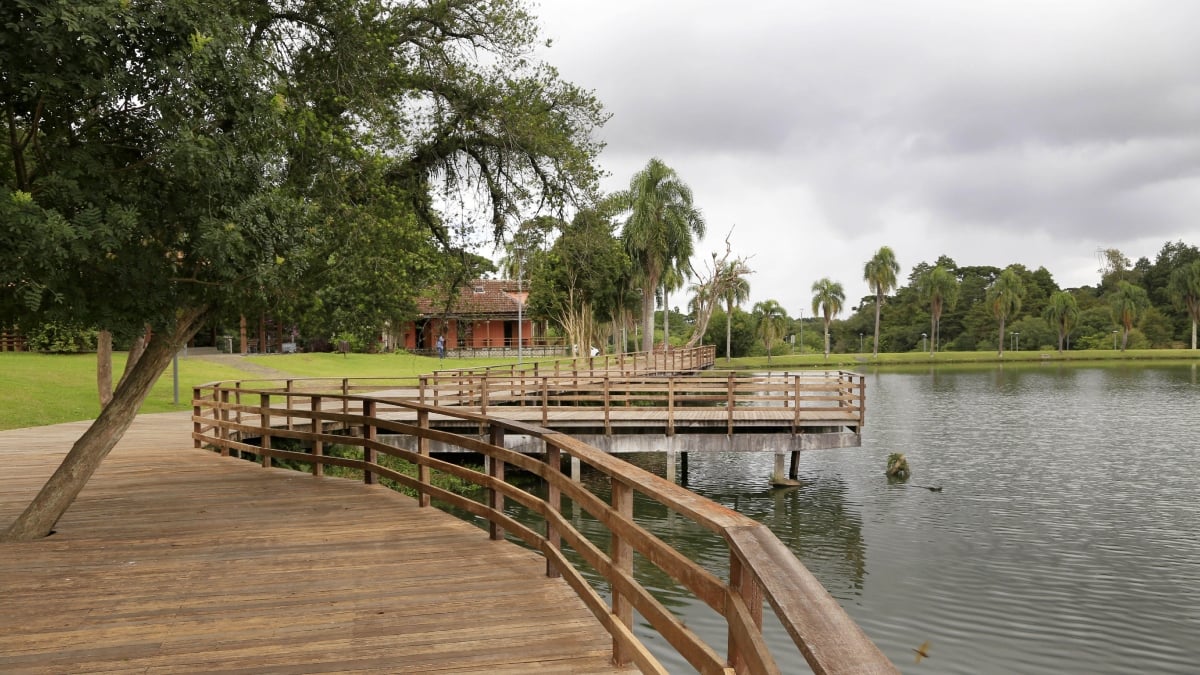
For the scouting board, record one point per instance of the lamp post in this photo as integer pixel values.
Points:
(1017, 336)
(923, 337)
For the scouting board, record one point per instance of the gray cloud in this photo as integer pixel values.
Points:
(971, 129)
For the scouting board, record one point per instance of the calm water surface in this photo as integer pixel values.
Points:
(1066, 537)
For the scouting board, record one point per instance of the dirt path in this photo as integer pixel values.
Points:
(242, 363)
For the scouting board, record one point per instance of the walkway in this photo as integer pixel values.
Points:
(178, 560)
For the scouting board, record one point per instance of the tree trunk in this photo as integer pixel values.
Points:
(1001, 352)
(729, 331)
(648, 318)
(933, 329)
(666, 321)
(93, 446)
(1193, 333)
(827, 340)
(104, 367)
(878, 305)
(135, 353)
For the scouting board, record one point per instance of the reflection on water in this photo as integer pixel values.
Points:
(1065, 538)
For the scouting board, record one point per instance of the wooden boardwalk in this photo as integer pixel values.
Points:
(175, 559)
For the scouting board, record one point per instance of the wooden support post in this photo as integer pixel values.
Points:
(264, 423)
(318, 428)
(576, 469)
(288, 399)
(496, 471)
(238, 400)
(683, 469)
(743, 583)
(345, 393)
(554, 499)
(671, 458)
(197, 427)
(423, 450)
(778, 472)
(622, 558)
(794, 468)
(670, 406)
(222, 421)
(369, 435)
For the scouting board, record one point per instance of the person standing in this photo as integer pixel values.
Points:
(441, 346)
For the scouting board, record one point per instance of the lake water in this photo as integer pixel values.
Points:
(1066, 537)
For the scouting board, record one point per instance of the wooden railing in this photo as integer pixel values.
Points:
(681, 360)
(761, 568)
(813, 398)
(11, 341)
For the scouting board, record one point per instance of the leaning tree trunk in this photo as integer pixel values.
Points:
(135, 352)
(104, 367)
(93, 446)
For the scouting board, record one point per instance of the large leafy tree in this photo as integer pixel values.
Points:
(1127, 303)
(170, 162)
(828, 297)
(1004, 299)
(772, 321)
(577, 283)
(658, 234)
(880, 274)
(1184, 290)
(1062, 312)
(939, 287)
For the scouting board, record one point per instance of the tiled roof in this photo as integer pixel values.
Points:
(481, 297)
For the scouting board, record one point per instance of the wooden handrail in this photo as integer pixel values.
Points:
(761, 566)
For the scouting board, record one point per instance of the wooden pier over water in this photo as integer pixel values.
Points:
(184, 559)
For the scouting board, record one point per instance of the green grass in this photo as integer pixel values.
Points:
(39, 389)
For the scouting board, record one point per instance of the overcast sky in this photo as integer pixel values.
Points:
(992, 132)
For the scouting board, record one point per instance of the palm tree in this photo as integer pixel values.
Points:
(771, 323)
(938, 287)
(1005, 296)
(828, 297)
(880, 274)
(1185, 290)
(734, 290)
(1127, 302)
(1062, 311)
(658, 232)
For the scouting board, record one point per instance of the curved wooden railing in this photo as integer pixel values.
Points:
(761, 568)
(678, 360)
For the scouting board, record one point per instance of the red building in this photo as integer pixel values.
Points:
(483, 315)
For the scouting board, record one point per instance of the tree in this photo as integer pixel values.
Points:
(880, 274)
(170, 162)
(939, 288)
(1127, 303)
(1184, 289)
(828, 297)
(1004, 299)
(772, 321)
(658, 233)
(577, 282)
(735, 291)
(725, 281)
(1062, 312)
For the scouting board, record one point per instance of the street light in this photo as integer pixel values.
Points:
(860, 349)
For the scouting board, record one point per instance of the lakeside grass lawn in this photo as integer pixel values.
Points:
(41, 389)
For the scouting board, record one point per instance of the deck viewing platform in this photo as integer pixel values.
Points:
(180, 555)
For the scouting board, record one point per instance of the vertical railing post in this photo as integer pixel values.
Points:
(483, 394)
(607, 406)
(264, 422)
(237, 396)
(622, 559)
(729, 405)
(496, 471)
(545, 400)
(318, 428)
(671, 406)
(197, 427)
(421, 389)
(796, 394)
(221, 418)
(345, 394)
(743, 583)
(423, 450)
(554, 499)
(369, 435)
(288, 400)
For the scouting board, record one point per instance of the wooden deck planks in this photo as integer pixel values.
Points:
(178, 560)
